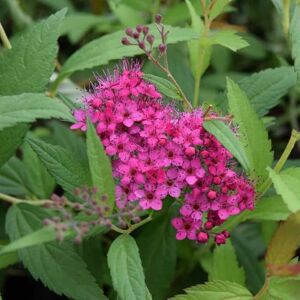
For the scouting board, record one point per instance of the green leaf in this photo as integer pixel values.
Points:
(229, 140)
(270, 208)
(13, 137)
(109, 47)
(100, 166)
(287, 184)
(29, 107)
(265, 89)
(126, 269)
(225, 265)
(216, 290)
(13, 178)
(28, 66)
(39, 180)
(8, 259)
(250, 247)
(253, 134)
(159, 260)
(58, 266)
(284, 288)
(285, 242)
(164, 86)
(61, 164)
(218, 8)
(295, 38)
(87, 21)
(228, 39)
(127, 15)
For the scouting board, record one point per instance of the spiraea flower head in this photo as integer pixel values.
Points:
(158, 152)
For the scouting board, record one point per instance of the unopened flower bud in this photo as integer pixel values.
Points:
(220, 239)
(158, 19)
(212, 195)
(208, 225)
(190, 151)
(139, 28)
(135, 35)
(150, 39)
(202, 237)
(129, 32)
(162, 48)
(145, 30)
(142, 45)
(125, 41)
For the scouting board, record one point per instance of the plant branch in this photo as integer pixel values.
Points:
(295, 136)
(203, 51)
(4, 37)
(167, 71)
(14, 200)
(132, 227)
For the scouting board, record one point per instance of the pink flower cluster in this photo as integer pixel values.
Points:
(158, 152)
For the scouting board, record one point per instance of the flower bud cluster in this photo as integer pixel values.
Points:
(91, 212)
(142, 38)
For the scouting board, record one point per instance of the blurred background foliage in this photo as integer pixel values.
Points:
(259, 22)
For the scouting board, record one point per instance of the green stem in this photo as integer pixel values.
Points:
(133, 227)
(295, 136)
(202, 50)
(167, 71)
(286, 16)
(4, 37)
(14, 200)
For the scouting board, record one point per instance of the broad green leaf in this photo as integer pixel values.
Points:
(126, 269)
(228, 39)
(229, 140)
(92, 252)
(8, 259)
(295, 38)
(218, 8)
(38, 237)
(225, 265)
(250, 247)
(87, 21)
(40, 182)
(109, 47)
(29, 107)
(287, 184)
(61, 164)
(265, 89)
(127, 15)
(28, 66)
(163, 85)
(13, 178)
(58, 266)
(285, 242)
(58, 4)
(216, 290)
(253, 134)
(270, 208)
(61, 135)
(100, 166)
(284, 288)
(159, 260)
(179, 13)
(10, 139)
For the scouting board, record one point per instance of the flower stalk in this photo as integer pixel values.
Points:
(4, 38)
